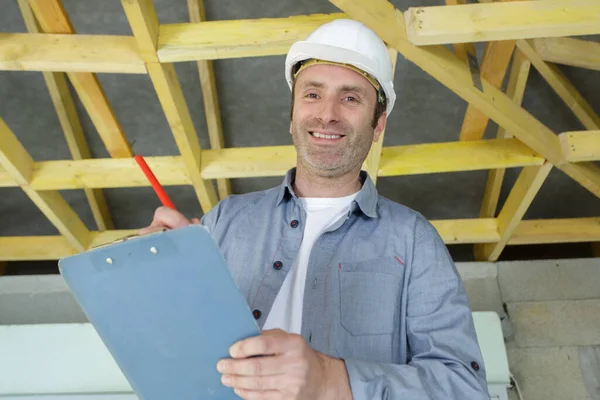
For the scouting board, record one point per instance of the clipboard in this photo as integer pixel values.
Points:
(167, 309)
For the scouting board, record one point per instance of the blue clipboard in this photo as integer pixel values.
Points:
(167, 309)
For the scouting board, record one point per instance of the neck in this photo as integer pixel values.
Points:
(309, 184)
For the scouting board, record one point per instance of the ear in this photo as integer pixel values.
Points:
(380, 126)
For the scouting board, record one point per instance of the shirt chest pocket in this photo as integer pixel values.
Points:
(370, 295)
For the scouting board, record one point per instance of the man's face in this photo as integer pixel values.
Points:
(331, 124)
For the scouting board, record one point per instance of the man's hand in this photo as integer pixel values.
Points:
(288, 368)
(167, 218)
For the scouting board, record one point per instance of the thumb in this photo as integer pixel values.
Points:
(195, 221)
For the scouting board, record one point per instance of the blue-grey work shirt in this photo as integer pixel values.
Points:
(382, 292)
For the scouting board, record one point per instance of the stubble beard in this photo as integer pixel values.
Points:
(331, 161)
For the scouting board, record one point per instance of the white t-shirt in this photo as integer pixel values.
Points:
(321, 213)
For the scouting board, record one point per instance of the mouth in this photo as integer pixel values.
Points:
(326, 136)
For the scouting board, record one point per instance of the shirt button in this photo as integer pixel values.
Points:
(277, 265)
(294, 223)
(256, 314)
(475, 366)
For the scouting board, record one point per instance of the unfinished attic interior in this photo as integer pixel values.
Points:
(495, 139)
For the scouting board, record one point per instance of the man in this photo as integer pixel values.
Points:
(356, 295)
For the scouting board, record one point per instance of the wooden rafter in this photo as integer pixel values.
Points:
(19, 164)
(581, 146)
(273, 161)
(210, 98)
(569, 51)
(69, 121)
(517, 82)
(443, 65)
(562, 86)
(522, 194)
(70, 53)
(373, 161)
(213, 40)
(457, 231)
(502, 21)
(53, 18)
(144, 24)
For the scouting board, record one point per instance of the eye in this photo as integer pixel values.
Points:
(312, 96)
(350, 98)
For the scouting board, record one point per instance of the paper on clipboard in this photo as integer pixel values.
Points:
(166, 308)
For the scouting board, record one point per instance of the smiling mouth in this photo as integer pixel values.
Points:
(325, 136)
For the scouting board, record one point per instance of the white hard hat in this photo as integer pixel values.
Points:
(345, 41)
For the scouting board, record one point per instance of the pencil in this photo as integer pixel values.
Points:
(158, 189)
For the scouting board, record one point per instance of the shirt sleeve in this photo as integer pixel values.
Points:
(445, 359)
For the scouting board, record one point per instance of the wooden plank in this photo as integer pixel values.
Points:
(496, 58)
(69, 121)
(462, 50)
(273, 161)
(76, 53)
(455, 156)
(213, 40)
(373, 160)
(171, 98)
(517, 82)
(144, 24)
(53, 19)
(526, 187)
(15, 160)
(581, 146)
(562, 86)
(19, 164)
(444, 66)
(502, 21)
(569, 51)
(475, 230)
(210, 98)
(567, 230)
(478, 230)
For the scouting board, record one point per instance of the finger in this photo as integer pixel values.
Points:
(267, 343)
(172, 219)
(253, 366)
(258, 395)
(261, 383)
(196, 221)
(150, 229)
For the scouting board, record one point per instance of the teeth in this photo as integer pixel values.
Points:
(322, 136)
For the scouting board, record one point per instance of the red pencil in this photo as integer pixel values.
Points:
(160, 191)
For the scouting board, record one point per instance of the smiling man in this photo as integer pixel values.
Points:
(356, 295)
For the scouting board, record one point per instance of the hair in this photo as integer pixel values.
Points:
(380, 106)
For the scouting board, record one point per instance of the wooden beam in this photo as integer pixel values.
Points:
(526, 187)
(568, 230)
(144, 24)
(19, 164)
(502, 21)
(373, 160)
(568, 51)
(496, 58)
(210, 98)
(213, 40)
(272, 161)
(53, 19)
(562, 86)
(581, 146)
(517, 82)
(463, 50)
(171, 98)
(69, 121)
(76, 53)
(479, 230)
(444, 66)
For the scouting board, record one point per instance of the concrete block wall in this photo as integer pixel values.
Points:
(550, 311)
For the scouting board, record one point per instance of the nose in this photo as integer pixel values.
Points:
(328, 111)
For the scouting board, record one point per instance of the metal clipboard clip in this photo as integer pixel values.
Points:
(128, 237)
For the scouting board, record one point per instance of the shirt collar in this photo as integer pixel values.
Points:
(366, 199)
